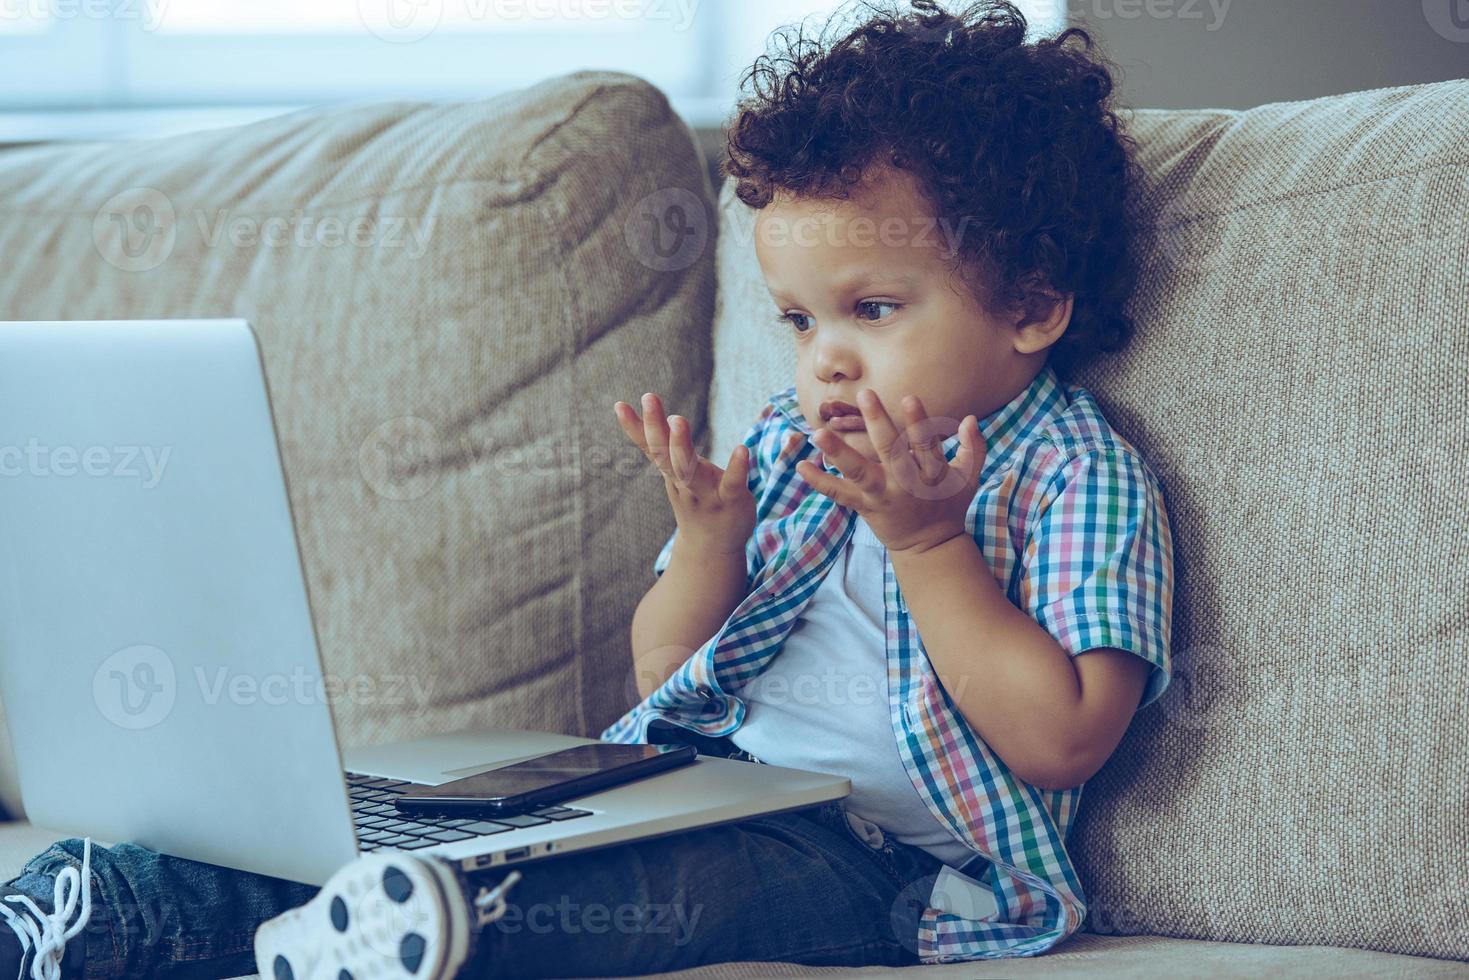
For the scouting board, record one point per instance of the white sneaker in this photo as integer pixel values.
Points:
(44, 935)
(385, 915)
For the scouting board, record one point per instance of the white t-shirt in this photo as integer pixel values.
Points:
(822, 704)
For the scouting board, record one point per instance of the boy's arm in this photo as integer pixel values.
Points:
(685, 608)
(1008, 677)
(1015, 674)
(689, 602)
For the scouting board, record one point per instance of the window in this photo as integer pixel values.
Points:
(57, 54)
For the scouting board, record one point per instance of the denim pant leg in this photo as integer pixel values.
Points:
(154, 915)
(798, 887)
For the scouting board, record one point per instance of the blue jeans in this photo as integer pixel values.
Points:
(799, 886)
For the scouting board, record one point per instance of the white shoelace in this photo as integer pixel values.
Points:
(48, 934)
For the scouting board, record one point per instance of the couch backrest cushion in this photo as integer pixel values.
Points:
(449, 298)
(1300, 380)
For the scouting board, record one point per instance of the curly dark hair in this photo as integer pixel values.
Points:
(1018, 136)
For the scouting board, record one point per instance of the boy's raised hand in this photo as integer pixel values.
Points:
(714, 508)
(911, 496)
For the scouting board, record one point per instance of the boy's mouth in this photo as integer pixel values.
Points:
(841, 416)
(835, 407)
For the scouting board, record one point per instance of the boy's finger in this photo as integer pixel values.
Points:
(655, 433)
(632, 428)
(736, 475)
(680, 449)
(792, 441)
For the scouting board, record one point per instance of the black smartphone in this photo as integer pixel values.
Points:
(545, 779)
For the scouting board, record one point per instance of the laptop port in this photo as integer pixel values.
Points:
(517, 853)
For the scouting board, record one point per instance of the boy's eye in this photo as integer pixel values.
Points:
(791, 318)
(798, 320)
(875, 302)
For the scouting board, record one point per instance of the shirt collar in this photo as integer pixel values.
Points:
(1004, 429)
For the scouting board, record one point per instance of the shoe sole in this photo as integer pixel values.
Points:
(389, 916)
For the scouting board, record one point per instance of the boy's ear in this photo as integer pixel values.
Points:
(1042, 322)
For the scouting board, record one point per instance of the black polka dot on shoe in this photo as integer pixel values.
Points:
(344, 975)
(339, 914)
(283, 969)
(396, 885)
(411, 952)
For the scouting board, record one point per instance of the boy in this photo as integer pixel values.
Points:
(986, 601)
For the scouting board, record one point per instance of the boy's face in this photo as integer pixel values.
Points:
(872, 304)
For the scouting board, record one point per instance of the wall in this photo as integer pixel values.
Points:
(1233, 54)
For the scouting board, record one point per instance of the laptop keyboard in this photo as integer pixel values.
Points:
(380, 825)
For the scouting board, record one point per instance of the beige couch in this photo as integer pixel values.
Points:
(450, 297)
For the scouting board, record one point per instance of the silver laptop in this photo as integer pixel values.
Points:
(158, 660)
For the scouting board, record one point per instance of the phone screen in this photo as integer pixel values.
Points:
(545, 772)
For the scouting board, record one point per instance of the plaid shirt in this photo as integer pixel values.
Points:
(1072, 520)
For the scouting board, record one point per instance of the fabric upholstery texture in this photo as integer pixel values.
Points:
(1298, 380)
(449, 297)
